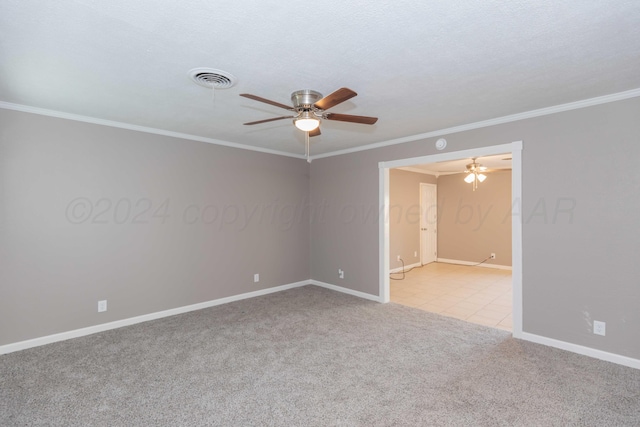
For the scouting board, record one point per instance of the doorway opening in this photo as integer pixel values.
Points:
(450, 269)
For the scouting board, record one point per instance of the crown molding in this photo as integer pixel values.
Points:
(422, 171)
(491, 122)
(111, 123)
(470, 126)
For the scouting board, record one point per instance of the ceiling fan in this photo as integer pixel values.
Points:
(310, 108)
(475, 173)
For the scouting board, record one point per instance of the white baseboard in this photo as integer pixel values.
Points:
(406, 267)
(585, 351)
(359, 294)
(454, 261)
(22, 345)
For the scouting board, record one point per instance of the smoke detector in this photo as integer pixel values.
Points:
(441, 144)
(212, 78)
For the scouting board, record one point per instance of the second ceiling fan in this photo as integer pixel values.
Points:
(475, 173)
(310, 108)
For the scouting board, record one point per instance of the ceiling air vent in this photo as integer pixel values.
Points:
(209, 77)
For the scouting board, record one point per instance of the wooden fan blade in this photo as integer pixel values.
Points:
(353, 119)
(335, 98)
(315, 132)
(267, 101)
(269, 120)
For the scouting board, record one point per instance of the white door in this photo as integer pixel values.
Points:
(428, 223)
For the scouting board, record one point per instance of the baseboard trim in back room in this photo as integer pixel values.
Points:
(455, 261)
(406, 268)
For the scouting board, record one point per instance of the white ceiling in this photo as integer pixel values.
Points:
(420, 66)
(449, 167)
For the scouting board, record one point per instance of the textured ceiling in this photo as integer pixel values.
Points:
(420, 66)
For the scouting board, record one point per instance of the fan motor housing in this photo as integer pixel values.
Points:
(305, 98)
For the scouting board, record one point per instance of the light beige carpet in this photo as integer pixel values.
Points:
(311, 357)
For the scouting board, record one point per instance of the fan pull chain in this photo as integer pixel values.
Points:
(307, 144)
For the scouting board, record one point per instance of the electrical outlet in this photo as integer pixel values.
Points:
(256, 278)
(398, 258)
(102, 306)
(341, 273)
(415, 254)
(493, 255)
(599, 328)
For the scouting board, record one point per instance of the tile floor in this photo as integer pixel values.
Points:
(475, 294)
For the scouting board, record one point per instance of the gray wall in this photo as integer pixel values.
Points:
(67, 238)
(404, 215)
(580, 232)
(579, 264)
(474, 224)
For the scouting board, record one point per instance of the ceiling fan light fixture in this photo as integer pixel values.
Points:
(306, 122)
(307, 125)
(474, 174)
(310, 109)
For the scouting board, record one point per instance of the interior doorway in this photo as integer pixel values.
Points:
(515, 150)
